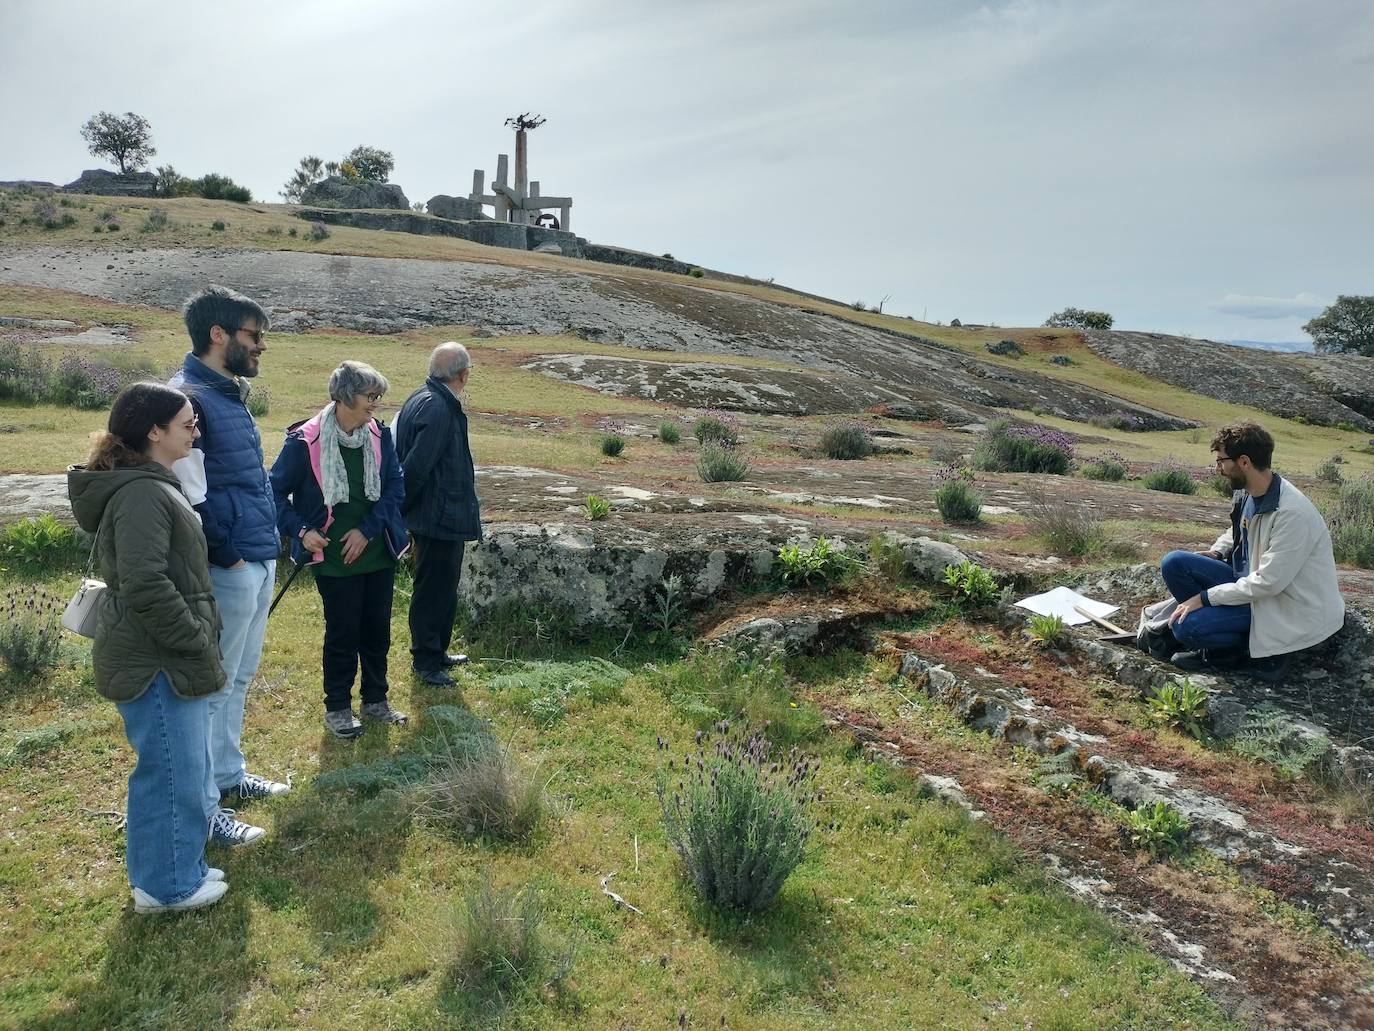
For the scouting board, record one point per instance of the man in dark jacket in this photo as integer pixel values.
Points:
(441, 507)
(226, 481)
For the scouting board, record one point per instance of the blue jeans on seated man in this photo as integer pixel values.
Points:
(1212, 627)
(167, 828)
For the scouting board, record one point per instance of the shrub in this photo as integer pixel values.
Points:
(1330, 470)
(718, 462)
(716, 426)
(503, 949)
(669, 432)
(292, 231)
(1114, 421)
(486, 794)
(1077, 318)
(218, 225)
(547, 691)
(156, 221)
(1171, 479)
(612, 444)
(1221, 485)
(847, 441)
(25, 373)
(696, 273)
(1108, 466)
(39, 541)
(43, 211)
(736, 818)
(1031, 449)
(259, 401)
(113, 226)
(946, 453)
(1350, 515)
(1069, 530)
(971, 582)
(955, 497)
(597, 507)
(818, 564)
(221, 187)
(1047, 631)
(318, 231)
(1182, 706)
(93, 383)
(30, 632)
(1157, 828)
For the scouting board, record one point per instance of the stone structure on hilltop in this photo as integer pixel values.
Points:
(112, 184)
(338, 192)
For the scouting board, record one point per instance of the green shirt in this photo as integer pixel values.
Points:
(348, 515)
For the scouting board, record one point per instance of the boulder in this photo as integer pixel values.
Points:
(925, 559)
(112, 184)
(338, 192)
(444, 206)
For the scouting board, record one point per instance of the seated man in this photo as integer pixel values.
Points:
(1267, 587)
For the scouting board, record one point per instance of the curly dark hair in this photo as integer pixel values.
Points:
(1245, 438)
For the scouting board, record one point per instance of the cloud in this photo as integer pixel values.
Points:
(1304, 305)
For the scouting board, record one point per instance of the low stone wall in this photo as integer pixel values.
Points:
(486, 231)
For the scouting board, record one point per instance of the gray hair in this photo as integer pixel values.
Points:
(353, 378)
(449, 360)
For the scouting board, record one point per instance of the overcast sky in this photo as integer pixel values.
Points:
(1192, 167)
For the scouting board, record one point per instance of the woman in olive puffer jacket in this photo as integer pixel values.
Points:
(156, 652)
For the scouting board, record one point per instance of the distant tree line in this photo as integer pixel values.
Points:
(1346, 327)
(361, 164)
(127, 140)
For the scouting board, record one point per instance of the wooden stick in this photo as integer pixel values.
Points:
(614, 897)
(1101, 622)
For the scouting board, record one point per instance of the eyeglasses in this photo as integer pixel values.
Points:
(193, 424)
(373, 398)
(1225, 458)
(256, 334)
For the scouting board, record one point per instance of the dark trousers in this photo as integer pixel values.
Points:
(357, 628)
(434, 603)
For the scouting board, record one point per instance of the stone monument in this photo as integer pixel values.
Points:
(523, 202)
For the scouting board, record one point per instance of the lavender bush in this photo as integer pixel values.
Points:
(955, 497)
(847, 440)
(25, 373)
(715, 425)
(737, 817)
(1024, 449)
(30, 632)
(1108, 466)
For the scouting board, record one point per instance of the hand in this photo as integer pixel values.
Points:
(314, 541)
(1181, 613)
(354, 544)
(237, 565)
(1209, 553)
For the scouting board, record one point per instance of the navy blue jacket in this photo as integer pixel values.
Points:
(300, 499)
(238, 514)
(432, 442)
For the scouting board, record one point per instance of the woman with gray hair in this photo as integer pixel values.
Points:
(338, 488)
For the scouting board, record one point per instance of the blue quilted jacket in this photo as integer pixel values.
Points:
(238, 513)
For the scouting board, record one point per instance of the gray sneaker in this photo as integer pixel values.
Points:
(384, 712)
(233, 833)
(342, 723)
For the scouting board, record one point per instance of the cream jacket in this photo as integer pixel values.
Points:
(1291, 587)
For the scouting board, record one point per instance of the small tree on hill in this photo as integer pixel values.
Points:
(1078, 318)
(307, 174)
(127, 141)
(1346, 327)
(371, 164)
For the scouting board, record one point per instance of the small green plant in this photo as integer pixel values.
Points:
(292, 232)
(318, 231)
(696, 273)
(711, 684)
(1330, 471)
(1108, 466)
(548, 691)
(669, 432)
(1181, 705)
(596, 507)
(737, 818)
(1058, 774)
(218, 225)
(1268, 734)
(503, 949)
(1047, 631)
(156, 221)
(1350, 515)
(489, 794)
(1158, 828)
(718, 462)
(612, 444)
(716, 427)
(847, 441)
(955, 496)
(46, 738)
(30, 632)
(39, 541)
(820, 563)
(259, 401)
(971, 582)
(1171, 480)
(666, 609)
(1071, 531)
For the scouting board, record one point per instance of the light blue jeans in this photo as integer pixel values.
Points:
(167, 829)
(244, 596)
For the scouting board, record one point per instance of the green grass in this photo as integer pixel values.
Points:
(345, 917)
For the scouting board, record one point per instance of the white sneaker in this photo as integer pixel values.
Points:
(226, 830)
(208, 892)
(214, 874)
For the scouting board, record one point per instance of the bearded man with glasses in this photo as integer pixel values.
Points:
(226, 481)
(1267, 587)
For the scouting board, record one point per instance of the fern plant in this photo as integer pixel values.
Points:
(1058, 774)
(1267, 734)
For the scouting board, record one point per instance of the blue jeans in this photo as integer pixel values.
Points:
(167, 828)
(244, 596)
(1211, 627)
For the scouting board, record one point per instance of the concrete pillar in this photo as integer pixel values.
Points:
(502, 204)
(564, 217)
(502, 164)
(479, 180)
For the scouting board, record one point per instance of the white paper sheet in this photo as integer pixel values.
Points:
(1060, 602)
